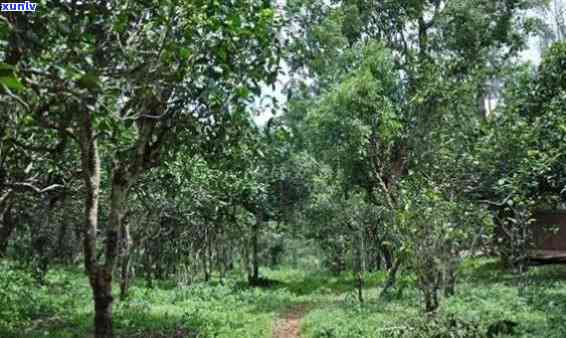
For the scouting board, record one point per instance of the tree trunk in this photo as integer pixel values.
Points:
(387, 257)
(450, 287)
(116, 226)
(229, 258)
(481, 98)
(40, 239)
(391, 278)
(101, 284)
(65, 249)
(247, 261)
(255, 250)
(204, 253)
(338, 264)
(77, 246)
(102, 288)
(7, 227)
(360, 265)
(147, 269)
(221, 254)
(61, 248)
(120, 186)
(431, 299)
(429, 280)
(360, 280)
(100, 277)
(210, 257)
(125, 262)
(123, 175)
(450, 278)
(362, 252)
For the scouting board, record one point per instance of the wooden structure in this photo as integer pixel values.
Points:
(549, 237)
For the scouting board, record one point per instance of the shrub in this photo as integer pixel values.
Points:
(19, 301)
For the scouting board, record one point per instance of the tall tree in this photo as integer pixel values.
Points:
(123, 80)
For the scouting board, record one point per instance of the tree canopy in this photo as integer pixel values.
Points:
(406, 138)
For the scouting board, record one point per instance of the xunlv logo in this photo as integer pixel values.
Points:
(19, 6)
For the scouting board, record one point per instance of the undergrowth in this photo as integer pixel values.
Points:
(487, 300)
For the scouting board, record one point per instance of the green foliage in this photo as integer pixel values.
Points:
(22, 299)
(62, 309)
(435, 230)
(8, 80)
(384, 163)
(552, 78)
(365, 104)
(483, 299)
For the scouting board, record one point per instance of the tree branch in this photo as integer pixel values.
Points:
(30, 186)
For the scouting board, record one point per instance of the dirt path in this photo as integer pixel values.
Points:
(289, 325)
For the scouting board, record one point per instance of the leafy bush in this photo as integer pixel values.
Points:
(21, 299)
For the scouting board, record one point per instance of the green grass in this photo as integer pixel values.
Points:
(485, 294)
(203, 310)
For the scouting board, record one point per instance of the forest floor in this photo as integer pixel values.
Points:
(289, 324)
(297, 304)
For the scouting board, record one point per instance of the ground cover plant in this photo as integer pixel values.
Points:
(283, 168)
(485, 297)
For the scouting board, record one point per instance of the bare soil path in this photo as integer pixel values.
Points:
(289, 324)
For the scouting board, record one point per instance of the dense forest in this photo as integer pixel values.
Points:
(291, 168)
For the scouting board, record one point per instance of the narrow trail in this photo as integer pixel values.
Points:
(289, 324)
